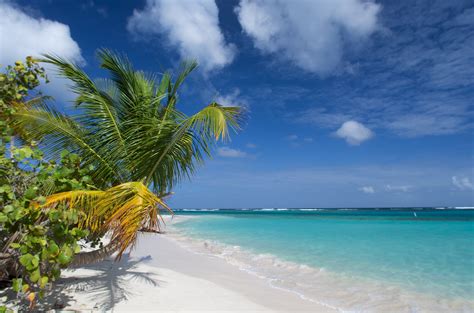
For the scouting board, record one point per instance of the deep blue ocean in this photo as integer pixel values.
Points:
(429, 251)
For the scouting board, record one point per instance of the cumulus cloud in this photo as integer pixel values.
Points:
(311, 34)
(463, 183)
(354, 133)
(22, 35)
(190, 26)
(416, 80)
(230, 153)
(367, 189)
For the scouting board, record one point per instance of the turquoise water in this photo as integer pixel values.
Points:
(432, 252)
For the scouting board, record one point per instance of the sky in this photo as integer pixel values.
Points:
(349, 103)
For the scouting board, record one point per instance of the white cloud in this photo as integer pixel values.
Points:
(308, 139)
(232, 99)
(402, 188)
(429, 93)
(311, 34)
(367, 189)
(251, 145)
(190, 26)
(354, 133)
(22, 35)
(463, 183)
(230, 153)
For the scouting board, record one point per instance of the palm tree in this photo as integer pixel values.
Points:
(129, 129)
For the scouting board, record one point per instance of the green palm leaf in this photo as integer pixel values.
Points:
(128, 126)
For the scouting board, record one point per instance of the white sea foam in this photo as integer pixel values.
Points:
(334, 290)
(311, 209)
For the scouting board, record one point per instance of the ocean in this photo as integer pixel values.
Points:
(355, 260)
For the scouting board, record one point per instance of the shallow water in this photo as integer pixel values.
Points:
(355, 260)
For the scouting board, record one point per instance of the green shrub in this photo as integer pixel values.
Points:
(35, 243)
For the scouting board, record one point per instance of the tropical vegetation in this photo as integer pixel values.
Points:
(122, 149)
(34, 243)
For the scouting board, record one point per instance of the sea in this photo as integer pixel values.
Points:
(348, 259)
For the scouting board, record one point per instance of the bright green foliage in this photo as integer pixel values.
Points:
(128, 135)
(39, 241)
(129, 129)
(15, 84)
(128, 126)
(42, 241)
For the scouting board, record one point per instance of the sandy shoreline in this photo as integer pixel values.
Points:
(161, 275)
(172, 273)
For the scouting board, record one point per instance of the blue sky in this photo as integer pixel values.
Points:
(350, 103)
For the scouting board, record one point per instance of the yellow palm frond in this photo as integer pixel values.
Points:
(122, 210)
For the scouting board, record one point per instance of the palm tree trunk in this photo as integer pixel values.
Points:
(84, 258)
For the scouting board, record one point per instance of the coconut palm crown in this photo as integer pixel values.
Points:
(128, 126)
(129, 129)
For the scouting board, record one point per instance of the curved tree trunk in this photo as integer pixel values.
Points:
(10, 268)
(84, 258)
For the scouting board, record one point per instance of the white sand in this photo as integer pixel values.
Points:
(162, 276)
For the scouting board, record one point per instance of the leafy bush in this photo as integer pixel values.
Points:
(40, 242)
(35, 243)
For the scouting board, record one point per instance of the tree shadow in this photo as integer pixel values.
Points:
(108, 285)
(104, 285)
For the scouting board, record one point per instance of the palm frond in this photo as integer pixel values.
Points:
(215, 121)
(58, 132)
(121, 210)
(186, 68)
(129, 128)
(98, 110)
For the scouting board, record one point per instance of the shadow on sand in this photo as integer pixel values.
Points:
(104, 285)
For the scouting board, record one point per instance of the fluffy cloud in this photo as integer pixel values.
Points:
(230, 153)
(311, 34)
(367, 189)
(415, 80)
(22, 35)
(463, 183)
(354, 133)
(190, 26)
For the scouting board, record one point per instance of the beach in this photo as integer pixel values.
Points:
(205, 262)
(237, 156)
(160, 275)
